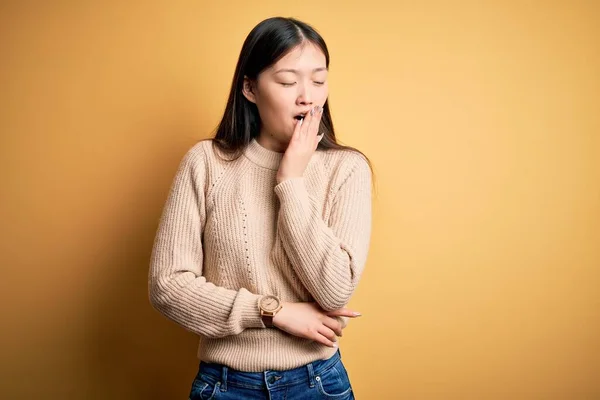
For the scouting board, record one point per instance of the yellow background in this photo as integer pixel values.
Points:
(481, 118)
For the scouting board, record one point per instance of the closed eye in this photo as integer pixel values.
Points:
(292, 84)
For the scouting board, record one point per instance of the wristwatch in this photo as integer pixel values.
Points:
(269, 305)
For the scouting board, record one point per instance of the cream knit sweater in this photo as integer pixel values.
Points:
(230, 234)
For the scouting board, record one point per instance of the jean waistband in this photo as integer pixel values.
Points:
(266, 379)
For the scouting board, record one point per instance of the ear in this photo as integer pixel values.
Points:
(248, 90)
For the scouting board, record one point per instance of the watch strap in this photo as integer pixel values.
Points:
(267, 320)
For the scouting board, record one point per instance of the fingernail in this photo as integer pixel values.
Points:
(321, 110)
(335, 345)
(312, 111)
(357, 314)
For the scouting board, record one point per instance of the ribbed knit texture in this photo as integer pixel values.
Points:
(230, 234)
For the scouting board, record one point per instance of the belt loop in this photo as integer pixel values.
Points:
(311, 375)
(224, 379)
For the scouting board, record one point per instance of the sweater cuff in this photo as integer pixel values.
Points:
(250, 312)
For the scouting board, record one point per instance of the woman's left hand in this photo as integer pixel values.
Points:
(302, 146)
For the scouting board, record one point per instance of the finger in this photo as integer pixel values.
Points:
(315, 121)
(307, 122)
(319, 137)
(344, 312)
(323, 340)
(320, 129)
(334, 325)
(317, 337)
(297, 129)
(327, 333)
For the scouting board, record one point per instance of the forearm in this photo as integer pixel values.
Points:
(202, 307)
(317, 256)
(176, 283)
(328, 258)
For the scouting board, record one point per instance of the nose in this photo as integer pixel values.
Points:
(305, 97)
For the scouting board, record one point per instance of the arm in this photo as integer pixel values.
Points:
(177, 288)
(328, 258)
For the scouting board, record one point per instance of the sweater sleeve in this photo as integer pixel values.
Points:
(329, 258)
(177, 288)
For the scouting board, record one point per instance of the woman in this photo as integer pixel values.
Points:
(266, 230)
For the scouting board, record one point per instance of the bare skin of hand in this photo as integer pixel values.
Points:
(308, 320)
(302, 146)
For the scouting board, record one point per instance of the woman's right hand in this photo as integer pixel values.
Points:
(308, 320)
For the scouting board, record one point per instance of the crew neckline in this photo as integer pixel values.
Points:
(262, 156)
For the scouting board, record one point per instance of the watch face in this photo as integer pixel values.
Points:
(269, 303)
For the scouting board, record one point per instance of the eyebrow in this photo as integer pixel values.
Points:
(295, 71)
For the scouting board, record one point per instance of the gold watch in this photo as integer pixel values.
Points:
(269, 305)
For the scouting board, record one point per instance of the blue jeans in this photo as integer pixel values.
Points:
(322, 379)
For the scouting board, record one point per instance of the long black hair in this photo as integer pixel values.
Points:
(268, 42)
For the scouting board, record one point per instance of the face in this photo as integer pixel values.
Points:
(292, 86)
